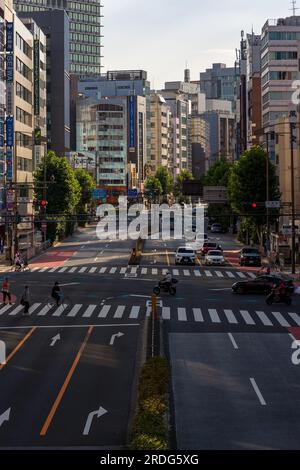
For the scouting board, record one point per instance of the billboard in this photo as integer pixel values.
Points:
(9, 37)
(131, 121)
(9, 68)
(36, 76)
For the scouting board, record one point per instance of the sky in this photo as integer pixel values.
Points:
(161, 36)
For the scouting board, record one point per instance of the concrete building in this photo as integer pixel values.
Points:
(161, 133)
(190, 91)
(220, 82)
(55, 24)
(25, 112)
(280, 42)
(134, 85)
(85, 30)
(253, 83)
(200, 140)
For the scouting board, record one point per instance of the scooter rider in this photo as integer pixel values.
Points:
(167, 280)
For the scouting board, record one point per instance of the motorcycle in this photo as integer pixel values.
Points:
(278, 299)
(168, 288)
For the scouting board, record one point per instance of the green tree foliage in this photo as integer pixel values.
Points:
(63, 193)
(153, 187)
(87, 184)
(163, 175)
(184, 175)
(218, 174)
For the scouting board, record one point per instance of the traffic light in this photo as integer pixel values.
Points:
(44, 203)
(37, 136)
(254, 205)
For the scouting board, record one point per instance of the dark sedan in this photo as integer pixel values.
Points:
(262, 285)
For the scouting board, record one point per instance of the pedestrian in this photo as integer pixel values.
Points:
(6, 291)
(1, 245)
(25, 300)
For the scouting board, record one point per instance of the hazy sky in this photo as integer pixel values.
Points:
(160, 36)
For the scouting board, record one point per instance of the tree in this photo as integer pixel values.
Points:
(163, 175)
(62, 193)
(218, 174)
(184, 175)
(153, 187)
(248, 183)
(87, 184)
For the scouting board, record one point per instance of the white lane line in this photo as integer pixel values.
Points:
(52, 270)
(5, 308)
(281, 319)
(166, 313)
(73, 312)
(58, 312)
(89, 311)
(230, 317)
(252, 275)
(16, 310)
(113, 270)
(230, 274)
(104, 311)
(258, 392)
(148, 311)
(164, 272)
(233, 341)
(134, 312)
(219, 274)
(242, 275)
(45, 310)
(119, 312)
(182, 314)
(208, 273)
(62, 270)
(198, 315)
(72, 270)
(154, 271)
(133, 270)
(34, 307)
(186, 272)
(92, 270)
(247, 317)
(175, 272)
(197, 273)
(83, 269)
(293, 315)
(214, 315)
(102, 270)
(123, 270)
(144, 271)
(264, 319)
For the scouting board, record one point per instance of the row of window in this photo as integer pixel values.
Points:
(277, 96)
(81, 37)
(23, 116)
(110, 149)
(88, 8)
(85, 59)
(110, 137)
(24, 164)
(23, 140)
(84, 69)
(111, 170)
(85, 48)
(85, 28)
(103, 116)
(280, 75)
(110, 182)
(111, 160)
(23, 69)
(273, 116)
(23, 46)
(108, 127)
(82, 17)
(23, 93)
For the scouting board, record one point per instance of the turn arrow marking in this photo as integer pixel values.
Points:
(5, 416)
(117, 335)
(54, 340)
(90, 417)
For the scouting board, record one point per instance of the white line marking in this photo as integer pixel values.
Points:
(233, 341)
(102, 270)
(16, 310)
(72, 270)
(198, 315)
(42, 270)
(148, 312)
(230, 317)
(166, 313)
(242, 275)
(92, 270)
(208, 273)
(295, 317)
(62, 270)
(258, 392)
(197, 273)
(123, 270)
(214, 315)
(73, 312)
(5, 308)
(252, 275)
(182, 314)
(264, 319)
(58, 312)
(281, 319)
(133, 270)
(119, 312)
(219, 274)
(144, 271)
(83, 269)
(186, 272)
(113, 270)
(34, 307)
(246, 316)
(52, 270)
(230, 274)
(104, 311)
(134, 312)
(175, 272)
(89, 311)
(154, 271)
(45, 310)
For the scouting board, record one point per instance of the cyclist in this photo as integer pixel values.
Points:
(56, 293)
(18, 261)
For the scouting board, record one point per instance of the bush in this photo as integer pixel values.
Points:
(149, 428)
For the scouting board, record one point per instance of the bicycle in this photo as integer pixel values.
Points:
(64, 302)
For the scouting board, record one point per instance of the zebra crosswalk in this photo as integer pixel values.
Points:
(197, 315)
(138, 271)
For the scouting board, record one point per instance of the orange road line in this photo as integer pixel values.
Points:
(18, 347)
(65, 384)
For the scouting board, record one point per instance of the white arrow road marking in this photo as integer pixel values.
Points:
(90, 417)
(117, 335)
(54, 340)
(5, 416)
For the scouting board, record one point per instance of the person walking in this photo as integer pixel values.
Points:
(25, 300)
(1, 245)
(6, 291)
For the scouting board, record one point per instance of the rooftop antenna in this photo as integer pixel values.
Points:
(294, 7)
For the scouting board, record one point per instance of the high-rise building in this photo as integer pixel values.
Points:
(55, 24)
(220, 82)
(85, 30)
(161, 132)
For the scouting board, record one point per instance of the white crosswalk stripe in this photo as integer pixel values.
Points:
(34, 307)
(92, 270)
(230, 317)
(59, 310)
(175, 272)
(247, 317)
(52, 270)
(295, 317)
(62, 270)
(104, 311)
(102, 270)
(72, 270)
(113, 270)
(230, 274)
(4, 309)
(74, 310)
(214, 315)
(219, 274)
(144, 271)
(45, 310)
(182, 314)
(89, 311)
(241, 275)
(264, 319)
(16, 310)
(83, 269)
(252, 275)
(186, 272)
(281, 319)
(197, 273)
(120, 311)
(154, 271)
(123, 270)
(134, 270)
(198, 315)
(166, 313)
(134, 312)
(208, 273)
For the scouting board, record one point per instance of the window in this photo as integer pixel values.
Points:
(23, 116)
(23, 46)
(23, 69)
(24, 164)
(23, 93)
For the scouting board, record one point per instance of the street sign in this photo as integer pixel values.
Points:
(133, 193)
(215, 194)
(10, 198)
(99, 193)
(273, 204)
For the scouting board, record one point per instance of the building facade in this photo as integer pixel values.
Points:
(85, 30)
(220, 82)
(161, 133)
(55, 24)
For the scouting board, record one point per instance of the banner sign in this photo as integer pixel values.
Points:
(9, 164)
(131, 119)
(9, 68)
(9, 37)
(36, 76)
(1, 131)
(10, 131)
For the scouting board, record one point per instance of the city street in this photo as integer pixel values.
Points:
(70, 376)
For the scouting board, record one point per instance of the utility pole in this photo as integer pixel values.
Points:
(292, 140)
(268, 188)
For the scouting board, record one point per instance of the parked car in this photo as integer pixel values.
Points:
(208, 246)
(250, 257)
(263, 285)
(185, 255)
(214, 257)
(216, 228)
